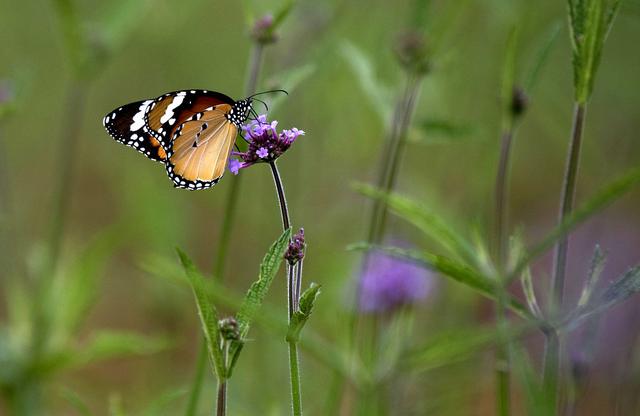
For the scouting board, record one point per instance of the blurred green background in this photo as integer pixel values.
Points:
(145, 48)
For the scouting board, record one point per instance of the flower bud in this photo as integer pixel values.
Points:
(412, 52)
(295, 252)
(263, 31)
(519, 102)
(229, 329)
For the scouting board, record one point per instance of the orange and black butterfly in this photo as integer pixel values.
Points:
(191, 132)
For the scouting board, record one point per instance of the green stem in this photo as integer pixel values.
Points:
(502, 365)
(293, 281)
(552, 340)
(228, 221)
(222, 398)
(230, 210)
(294, 373)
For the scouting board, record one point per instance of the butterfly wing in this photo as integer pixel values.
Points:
(167, 112)
(200, 147)
(126, 125)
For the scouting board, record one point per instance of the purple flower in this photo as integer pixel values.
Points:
(234, 166)
(295, 252)
(263, 30)
(265, 143)
(388, 283)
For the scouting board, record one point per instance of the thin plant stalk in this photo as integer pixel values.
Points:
(228, 221)
(293, 282)
(503, 379)
(552, 340)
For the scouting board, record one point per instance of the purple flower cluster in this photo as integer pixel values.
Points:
(295, 251)
(388, 283)
(265, 143)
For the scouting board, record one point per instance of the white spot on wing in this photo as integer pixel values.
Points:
(138, 119)
(177, 100)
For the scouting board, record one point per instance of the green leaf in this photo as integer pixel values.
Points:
(300, 317)
(430, 224)
(288, 80)
(103, 345)
(207, 313)
(258, 290)
(434, 131)
(75, 290)
(530, 294)
(450, 347)
(459, 272)
(595, 271)
(160, 404)
(115, 405)
(371, 86)
(76, 401)
(537, 402)
(119, 19)
(541, 57)
(599, 201)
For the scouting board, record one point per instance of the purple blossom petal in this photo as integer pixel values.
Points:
(262, 152)
(389, 283)
(234, 166)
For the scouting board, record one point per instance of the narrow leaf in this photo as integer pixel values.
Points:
(207, 313)
(529, 293)
(595, 271)
(450, 268)
(372, 87)
(599, 201)
(299, 318)
(257, 292)
(430, 224)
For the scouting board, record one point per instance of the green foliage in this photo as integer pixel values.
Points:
(595, 271)
(449, 347)
(432, 225)
(599, 201)
(207, 314)
(374, 89)
(300, 317)
(258, 291)
(432, 131)
(454, 270)
(589, 22)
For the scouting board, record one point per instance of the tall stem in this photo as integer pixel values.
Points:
(228, 221)
(552, 340)
(222, 398)
(294, 275)
(502, 369)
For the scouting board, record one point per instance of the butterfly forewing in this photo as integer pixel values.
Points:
(167, 112)
(126, 125)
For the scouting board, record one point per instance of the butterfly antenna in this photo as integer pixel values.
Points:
(267, 92)
(263, 103)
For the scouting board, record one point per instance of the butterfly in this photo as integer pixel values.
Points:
(191, 132)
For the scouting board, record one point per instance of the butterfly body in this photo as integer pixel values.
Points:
(191, 132)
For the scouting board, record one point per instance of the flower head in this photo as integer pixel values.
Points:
(388, 283)
(412, 52)
(266, 144)
(295, 252)
(263, 30)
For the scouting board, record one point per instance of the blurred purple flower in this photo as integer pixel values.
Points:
(388, 283)
(263, 30)
(265, 143)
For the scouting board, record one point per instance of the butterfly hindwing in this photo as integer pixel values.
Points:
(200, 149)
(126, 125)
